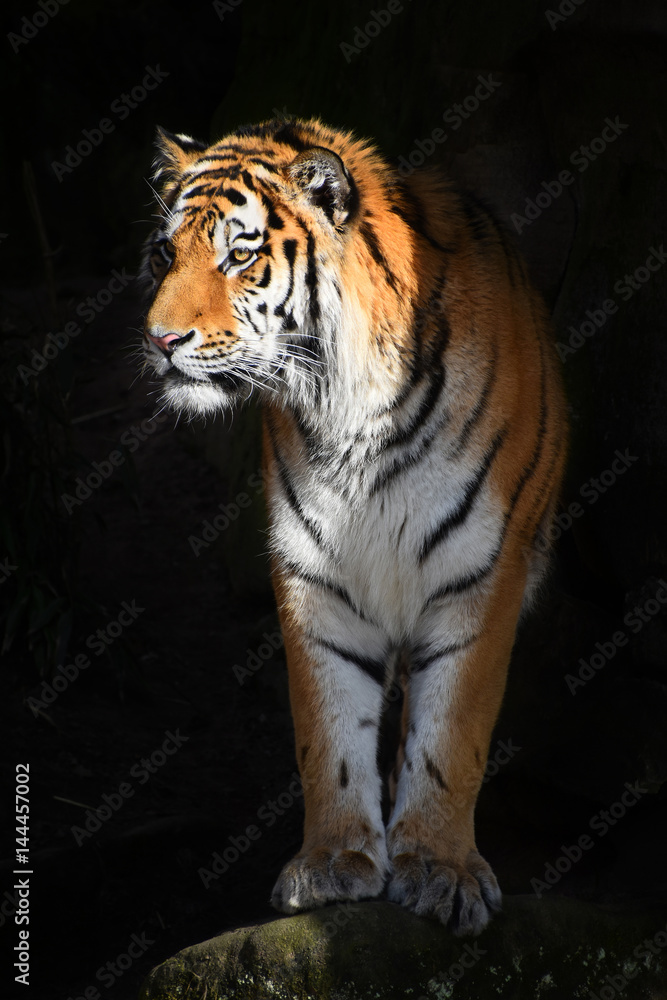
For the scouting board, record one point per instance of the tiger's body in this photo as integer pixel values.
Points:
(414, 439)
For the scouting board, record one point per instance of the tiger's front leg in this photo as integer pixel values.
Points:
(454, 693)
(336, 697)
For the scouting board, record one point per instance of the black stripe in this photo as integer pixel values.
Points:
(545, 496)
(405, 434)
(439, 344)
(189, 145)
(344, 776)
(484, 225)
(236, 147)
(214, 157)
(290, 494)
(375, 669)
(311, 279)
(289, 250)
(512, 255)
(271, 167)
(480, 407)
(317, 581)
(313, 530)
(247, 179)
(266, 277)
(405, 462)
(478, 218)
(434, 773)
(310, 344)
(530, 468)
(418, 224)
(458, 517)
(466, 582)
(201, 189)
(277, 129)
(286, 135)
(424, 315)
(236, 198)
(369, 237)
(250, 320)
(416, 375)
(311, 438)
(273, 218)
(214, 173)
(421, 662)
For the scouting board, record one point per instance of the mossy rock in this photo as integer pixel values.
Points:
(555, 947)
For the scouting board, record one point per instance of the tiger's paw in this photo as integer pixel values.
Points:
(463, 896)
(323, 876)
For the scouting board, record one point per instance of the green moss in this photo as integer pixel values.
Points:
(380, 951)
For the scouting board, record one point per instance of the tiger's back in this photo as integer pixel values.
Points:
(413, 447)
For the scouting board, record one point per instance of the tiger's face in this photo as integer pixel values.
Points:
(242, 267)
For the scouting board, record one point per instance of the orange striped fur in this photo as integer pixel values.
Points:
(414, 442)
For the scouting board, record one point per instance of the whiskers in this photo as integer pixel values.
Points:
(161, 202)
(250, 370)
(247, 377)
(136, 355)
(215, 382)
(306, 365)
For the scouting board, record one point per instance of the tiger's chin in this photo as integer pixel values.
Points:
(198, 398)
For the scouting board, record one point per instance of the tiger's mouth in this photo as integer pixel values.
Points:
(202, 397)
(224, 380)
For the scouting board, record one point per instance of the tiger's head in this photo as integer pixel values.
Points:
(243, 267)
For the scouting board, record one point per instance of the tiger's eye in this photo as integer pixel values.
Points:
(241, 255)
(166, 250)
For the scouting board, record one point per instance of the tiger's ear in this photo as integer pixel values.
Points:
(322, 176)
(174, 154)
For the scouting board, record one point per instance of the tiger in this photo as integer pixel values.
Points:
(413, 446)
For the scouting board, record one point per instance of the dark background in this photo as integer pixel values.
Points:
(70, 566)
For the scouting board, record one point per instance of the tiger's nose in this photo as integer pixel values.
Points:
(168, 342)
